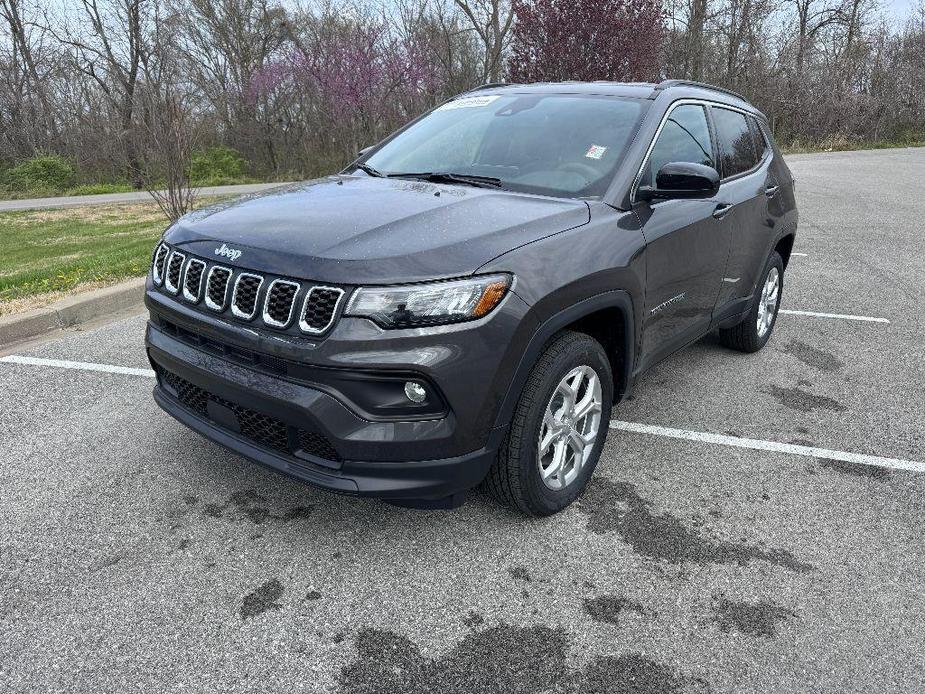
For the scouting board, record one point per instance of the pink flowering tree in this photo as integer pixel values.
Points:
(353, 83)
(557, 40)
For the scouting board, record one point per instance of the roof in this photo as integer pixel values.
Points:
(640, 90)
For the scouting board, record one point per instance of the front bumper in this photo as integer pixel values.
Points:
(422, 459)
(425, 480)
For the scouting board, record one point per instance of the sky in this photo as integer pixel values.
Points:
(900, 8)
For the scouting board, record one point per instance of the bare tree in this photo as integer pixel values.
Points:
(31, 89)
(295, 86)
(109, 43)
(491, 20)
(166, 131)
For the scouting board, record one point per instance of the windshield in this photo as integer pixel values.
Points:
(567, 146)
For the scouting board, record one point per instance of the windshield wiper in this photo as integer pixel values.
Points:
(367, 169)
(448, 177)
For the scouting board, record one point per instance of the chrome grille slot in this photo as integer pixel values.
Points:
(277, 310)
(192, 282)
(244, 299)
(172, 276)
(217, 287)
(319, 309)
(160, 258)
(283, 304)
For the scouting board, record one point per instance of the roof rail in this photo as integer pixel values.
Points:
(666, 84)
(492, 85)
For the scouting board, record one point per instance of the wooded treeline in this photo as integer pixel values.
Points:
(126, 90)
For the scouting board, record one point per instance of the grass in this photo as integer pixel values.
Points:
(103, 188)
(44, 253)
(85, 189)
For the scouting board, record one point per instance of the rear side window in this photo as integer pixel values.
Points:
(761, 141)
(684, 137)
(737, 150)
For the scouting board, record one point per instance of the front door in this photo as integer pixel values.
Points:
(687, 242)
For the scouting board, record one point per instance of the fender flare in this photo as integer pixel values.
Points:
(617, 298)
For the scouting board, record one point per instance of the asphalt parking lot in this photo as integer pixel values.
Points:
(136, 556)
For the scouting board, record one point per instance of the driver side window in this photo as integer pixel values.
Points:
(684, 137)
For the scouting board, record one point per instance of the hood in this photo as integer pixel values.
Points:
(360, 230)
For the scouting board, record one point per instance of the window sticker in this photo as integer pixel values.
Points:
(469, 102)
(595, 152)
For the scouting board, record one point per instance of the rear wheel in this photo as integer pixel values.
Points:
(755, 330)
(558, 430)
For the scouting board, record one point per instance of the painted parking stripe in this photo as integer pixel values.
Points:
(842, 316)
(801, 255)
(773, 446)
(78, 365)
(704, 437)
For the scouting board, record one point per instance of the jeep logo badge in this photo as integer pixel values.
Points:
(230, 253)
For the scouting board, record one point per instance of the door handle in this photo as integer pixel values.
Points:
(771, 191)
(721, 210)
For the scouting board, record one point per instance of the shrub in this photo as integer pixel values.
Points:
(216, 165)
(47, 172)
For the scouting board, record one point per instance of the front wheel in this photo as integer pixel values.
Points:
(558, 430)
(755, 330)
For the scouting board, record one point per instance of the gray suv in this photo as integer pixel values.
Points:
(466, 302)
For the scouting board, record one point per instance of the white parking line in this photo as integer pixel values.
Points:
(717, 439)
(79, 365)
(801, 255)
(814, 314)
(774, 446)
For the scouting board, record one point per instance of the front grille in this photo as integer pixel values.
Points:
(192, 283)
(244, 301)
(320, 308)
(172, 278)
(221, 288)
(160, 258)
(260, 428)
(217, 288)
(280, 301)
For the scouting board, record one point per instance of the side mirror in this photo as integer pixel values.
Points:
(366, 150)
(682, 180)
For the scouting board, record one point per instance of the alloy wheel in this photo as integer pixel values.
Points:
(571, 422)
(767, 305)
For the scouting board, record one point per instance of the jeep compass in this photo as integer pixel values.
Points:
(466, 302)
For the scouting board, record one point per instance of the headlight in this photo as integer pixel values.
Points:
(434, 303)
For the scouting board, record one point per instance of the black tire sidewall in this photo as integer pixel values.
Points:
(587, 351)
(773, 261)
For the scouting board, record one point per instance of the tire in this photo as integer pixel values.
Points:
(515, 478)
(747, 336)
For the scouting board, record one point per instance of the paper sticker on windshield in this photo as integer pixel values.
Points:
(469, 102)
(595, 152)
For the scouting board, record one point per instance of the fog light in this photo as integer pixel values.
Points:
(415, 391)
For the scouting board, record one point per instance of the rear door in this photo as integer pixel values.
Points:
(747, 187)
(686, 246)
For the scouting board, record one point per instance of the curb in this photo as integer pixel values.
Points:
(71, 311)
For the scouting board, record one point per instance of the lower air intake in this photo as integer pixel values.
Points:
(262, 429)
